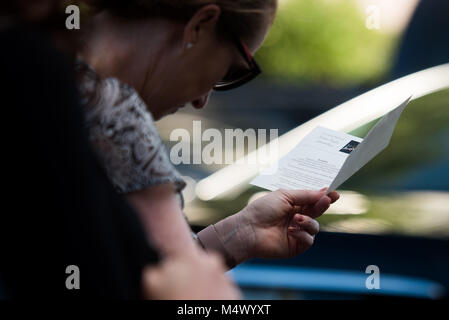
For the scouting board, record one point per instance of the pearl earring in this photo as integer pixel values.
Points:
(189, 45)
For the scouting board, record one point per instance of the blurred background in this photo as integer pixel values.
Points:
(394, 213)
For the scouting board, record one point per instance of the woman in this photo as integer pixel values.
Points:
(170, 53)
(85, 223)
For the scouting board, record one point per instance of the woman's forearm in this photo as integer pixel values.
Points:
(163, 220)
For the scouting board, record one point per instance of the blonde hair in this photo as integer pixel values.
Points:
(242, 17)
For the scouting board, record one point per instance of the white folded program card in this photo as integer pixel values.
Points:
(327, 158)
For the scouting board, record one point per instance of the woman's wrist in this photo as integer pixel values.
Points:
(233, 237)
(236, 236)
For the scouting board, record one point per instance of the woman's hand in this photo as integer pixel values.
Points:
(193, 276)
(283, 222)
(279, 225)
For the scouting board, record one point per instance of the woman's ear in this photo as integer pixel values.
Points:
(202, 25)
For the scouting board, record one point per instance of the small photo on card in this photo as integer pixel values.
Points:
(349, 147)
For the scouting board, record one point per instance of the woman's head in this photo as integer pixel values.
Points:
(175, 51)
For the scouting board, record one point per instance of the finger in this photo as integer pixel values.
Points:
(307, 224)
(302, 197)
(317, 209)
(304, 238)
(334, 196)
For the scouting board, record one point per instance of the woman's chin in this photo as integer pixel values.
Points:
(168, 112)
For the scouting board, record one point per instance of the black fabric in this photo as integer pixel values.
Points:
(59, 208)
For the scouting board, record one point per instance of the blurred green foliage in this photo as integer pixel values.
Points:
(322, 41)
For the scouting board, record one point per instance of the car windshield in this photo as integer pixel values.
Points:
(405, 189)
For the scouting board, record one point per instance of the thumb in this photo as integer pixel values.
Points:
(302, 197)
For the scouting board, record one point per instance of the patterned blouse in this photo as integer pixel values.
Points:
(123, 134)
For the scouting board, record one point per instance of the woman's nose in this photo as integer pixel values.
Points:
(201, 101)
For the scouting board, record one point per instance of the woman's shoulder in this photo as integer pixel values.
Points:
(109, 98)
(88, 82)
(123, 133)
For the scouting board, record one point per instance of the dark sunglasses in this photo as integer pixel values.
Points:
(239, 76)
